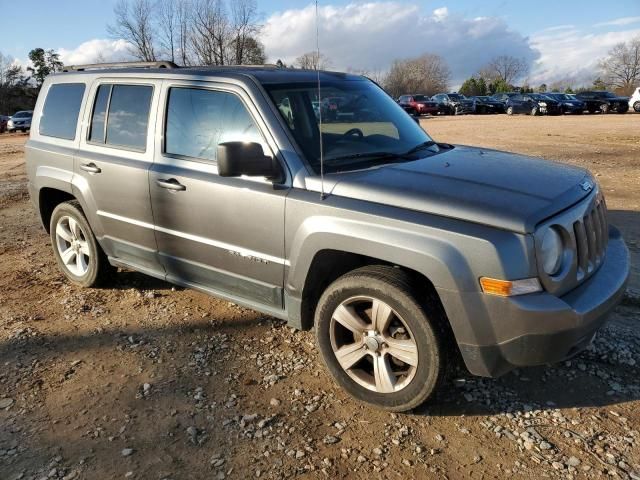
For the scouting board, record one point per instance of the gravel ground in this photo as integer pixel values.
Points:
(145, 380)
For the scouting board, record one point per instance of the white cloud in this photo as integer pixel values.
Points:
(572, 54)
(369, 36)
(440, 14)
(622, 21)
(96, 50)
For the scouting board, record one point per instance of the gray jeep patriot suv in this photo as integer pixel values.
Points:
(403, 253)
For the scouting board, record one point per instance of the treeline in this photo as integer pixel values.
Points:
(19, 88)
(190, 32)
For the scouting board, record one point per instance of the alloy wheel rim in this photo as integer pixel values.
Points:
(73, 246)
(373, 344)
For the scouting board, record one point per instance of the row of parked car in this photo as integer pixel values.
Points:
(514, 103)
(18, 121)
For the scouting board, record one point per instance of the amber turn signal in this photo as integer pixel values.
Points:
(509, 288)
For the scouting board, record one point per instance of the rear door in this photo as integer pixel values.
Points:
(112, 168)
(222, 234)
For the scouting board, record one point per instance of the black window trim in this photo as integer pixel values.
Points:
(111, 84)
(216, 88)
(75, 132)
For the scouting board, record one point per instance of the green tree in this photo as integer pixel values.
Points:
(44, 63)
(482, 86)
(568, 90)
(469, 87)
(500, 86)
(599, 84)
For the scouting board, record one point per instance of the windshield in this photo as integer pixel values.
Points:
(605, 95)
(456, 96)
(420, 98)
(361, 125)
(22, 115)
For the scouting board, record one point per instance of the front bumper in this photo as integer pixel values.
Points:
(500, 334)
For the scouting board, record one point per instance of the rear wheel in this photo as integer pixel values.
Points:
(509, 110)
(377, 341)
(604, 108)
(636, 107)
(75, 247)
(534, 111)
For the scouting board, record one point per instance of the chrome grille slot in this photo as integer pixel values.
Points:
(582, 248)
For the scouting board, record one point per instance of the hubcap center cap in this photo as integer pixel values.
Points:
(372, 344)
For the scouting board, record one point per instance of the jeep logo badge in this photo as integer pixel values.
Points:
(586, 185)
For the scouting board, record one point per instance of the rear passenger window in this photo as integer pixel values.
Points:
(61, 108)
(198, 120)
(121, 115)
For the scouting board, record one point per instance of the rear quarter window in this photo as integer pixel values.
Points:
(121, 115)
(61, 109)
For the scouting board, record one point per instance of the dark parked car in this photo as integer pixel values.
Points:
(453, 103)
(502, 97)
(568, 104)
(533, 104)
(3, 123)
(604, 102)
(486, 104)
(418, 104)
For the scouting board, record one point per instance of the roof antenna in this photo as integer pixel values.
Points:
(322, 194)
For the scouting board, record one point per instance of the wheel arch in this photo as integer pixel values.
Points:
(48, 199)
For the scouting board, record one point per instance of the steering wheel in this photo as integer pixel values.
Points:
(354, 131)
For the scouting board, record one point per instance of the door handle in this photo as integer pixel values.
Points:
(90, 167)
(171, 184)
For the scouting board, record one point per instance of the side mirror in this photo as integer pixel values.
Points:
(245, 158)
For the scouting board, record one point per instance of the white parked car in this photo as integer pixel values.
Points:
(634, 101)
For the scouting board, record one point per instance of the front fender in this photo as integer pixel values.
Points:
(434, 257)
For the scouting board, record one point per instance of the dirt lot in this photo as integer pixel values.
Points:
(147, 381)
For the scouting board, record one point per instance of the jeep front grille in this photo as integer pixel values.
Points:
(591, 234)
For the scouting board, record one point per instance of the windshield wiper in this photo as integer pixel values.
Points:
(421, 146)
(363, 155)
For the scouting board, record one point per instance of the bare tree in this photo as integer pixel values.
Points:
(210, 32)
(244, 15)
(134, 23)
(10, 72)
(505, 68)
(427, 74)
(313, 61)
(621, 68)
(168, 27)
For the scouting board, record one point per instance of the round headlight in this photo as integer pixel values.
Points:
(551, 252)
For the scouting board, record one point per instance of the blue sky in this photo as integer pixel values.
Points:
(548, 33)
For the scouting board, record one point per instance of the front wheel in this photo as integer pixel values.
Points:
(604, 108)
(77, 252)
(377, 341)
(534, 111)
(509, 110)
(636, 107)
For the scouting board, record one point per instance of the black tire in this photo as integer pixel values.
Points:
(509, 110)
(99, 269)
(636, 107)
(392, 286)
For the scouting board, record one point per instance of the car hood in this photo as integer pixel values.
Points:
(500, 189)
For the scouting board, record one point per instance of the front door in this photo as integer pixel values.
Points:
(222, 234)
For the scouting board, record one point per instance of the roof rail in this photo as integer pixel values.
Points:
(98, 66)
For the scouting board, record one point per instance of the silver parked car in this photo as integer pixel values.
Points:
(20, 121)
(402, 252)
